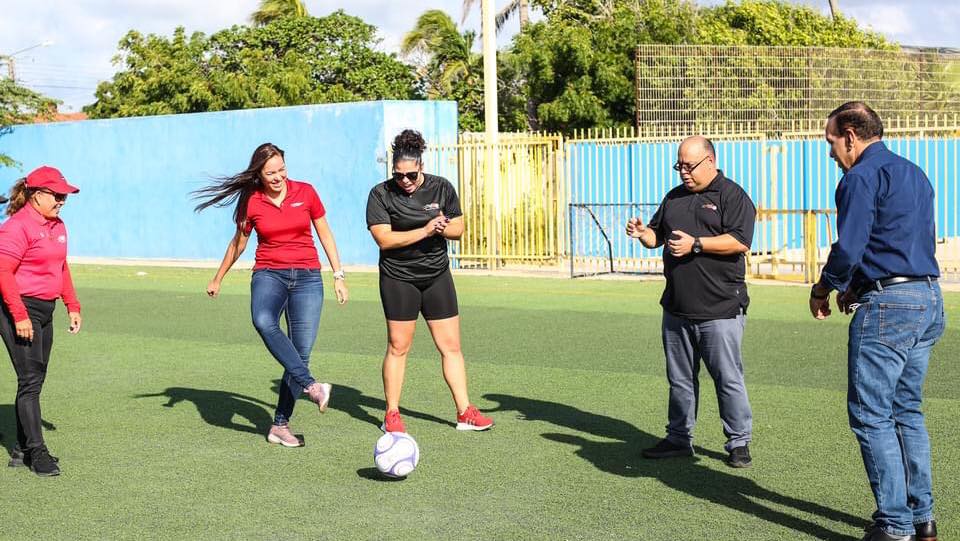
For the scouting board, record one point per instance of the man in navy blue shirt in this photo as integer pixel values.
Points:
(884, 270)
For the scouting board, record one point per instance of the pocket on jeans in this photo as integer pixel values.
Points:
(900, 324)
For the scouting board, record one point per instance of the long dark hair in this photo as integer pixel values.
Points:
(237, 187)
(19, 195)
(409, 145)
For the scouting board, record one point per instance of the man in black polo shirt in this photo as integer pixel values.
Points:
(707, 225)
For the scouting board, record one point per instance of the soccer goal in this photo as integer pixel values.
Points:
(599, 243)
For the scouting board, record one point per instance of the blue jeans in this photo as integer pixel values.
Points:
(891, 335)
(298, 293)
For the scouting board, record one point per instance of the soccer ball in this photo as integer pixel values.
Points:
(396, 454)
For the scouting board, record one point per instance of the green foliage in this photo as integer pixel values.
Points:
(19, 105)
(449, 69)
(578, 63)
(271, 10)
(773, 22)
(291, 61)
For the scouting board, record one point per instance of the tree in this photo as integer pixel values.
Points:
(271, 10)
(20, 105)
(774, 22)
(520, 7)
(578, 63)
(291, 61)
(449, 69)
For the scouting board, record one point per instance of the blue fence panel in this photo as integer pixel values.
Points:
(135, 174)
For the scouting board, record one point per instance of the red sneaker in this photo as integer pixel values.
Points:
(392, 422)
(472, 419)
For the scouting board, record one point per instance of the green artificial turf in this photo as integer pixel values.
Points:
(159, 407)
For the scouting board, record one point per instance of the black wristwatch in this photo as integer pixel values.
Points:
(697, 246)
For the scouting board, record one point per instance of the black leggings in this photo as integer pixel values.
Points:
(30, 361)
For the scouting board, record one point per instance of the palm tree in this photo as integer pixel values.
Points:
(271, 10)
(448, 54)
(514, 6)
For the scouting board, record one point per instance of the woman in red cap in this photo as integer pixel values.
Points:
(33, 275)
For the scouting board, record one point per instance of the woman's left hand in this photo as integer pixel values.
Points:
(340, 287)
(75, 321)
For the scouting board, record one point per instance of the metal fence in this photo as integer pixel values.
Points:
(782, 88)
(561, 204)
(515, 213)
(791, 179)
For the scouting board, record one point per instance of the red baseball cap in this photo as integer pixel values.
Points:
(50, 178)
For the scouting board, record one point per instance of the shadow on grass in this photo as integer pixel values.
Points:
(218, 408)
(8, 426)
(622, 457)
(355, 404)
(374, 474)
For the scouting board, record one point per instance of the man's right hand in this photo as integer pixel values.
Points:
(635, 228)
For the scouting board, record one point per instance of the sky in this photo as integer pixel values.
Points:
(81, 36)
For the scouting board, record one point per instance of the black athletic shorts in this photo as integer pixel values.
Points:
(405, 301)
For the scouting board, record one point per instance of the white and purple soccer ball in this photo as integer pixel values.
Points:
(396, 454)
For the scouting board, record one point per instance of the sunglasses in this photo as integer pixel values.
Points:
(410, 175)
(58, 197)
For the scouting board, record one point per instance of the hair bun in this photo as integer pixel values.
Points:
(408, 143)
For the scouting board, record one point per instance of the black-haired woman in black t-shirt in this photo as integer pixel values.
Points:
(411, 216)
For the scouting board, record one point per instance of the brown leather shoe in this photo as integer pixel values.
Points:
(926, 531)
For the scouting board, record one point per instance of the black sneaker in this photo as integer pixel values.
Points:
(18, 460)
(875, 533)
(16, 457)
(739, 457)
(667, 449)
(42, 464)
(926, 531)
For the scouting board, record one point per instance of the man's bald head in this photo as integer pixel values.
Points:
(699, 142)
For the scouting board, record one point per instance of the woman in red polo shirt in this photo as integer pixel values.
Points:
(286, 275)
(33, 275)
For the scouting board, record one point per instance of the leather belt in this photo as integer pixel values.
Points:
(893, 280)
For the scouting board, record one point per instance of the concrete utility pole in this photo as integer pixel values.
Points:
(490, 108)
(834, 9)
(11, 63)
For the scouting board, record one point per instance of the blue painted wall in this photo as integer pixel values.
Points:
(135, 174)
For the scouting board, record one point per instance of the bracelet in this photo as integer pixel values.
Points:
(813, 293)
(338, 275)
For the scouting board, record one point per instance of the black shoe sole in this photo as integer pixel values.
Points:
(46, 474)
(740, 464)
